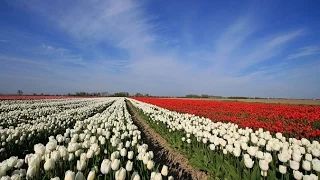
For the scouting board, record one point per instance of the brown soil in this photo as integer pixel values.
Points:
(164, 154)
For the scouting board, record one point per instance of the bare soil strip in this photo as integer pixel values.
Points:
(180, 168)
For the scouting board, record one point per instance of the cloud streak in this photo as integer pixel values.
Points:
(114, 45)
(305, 51)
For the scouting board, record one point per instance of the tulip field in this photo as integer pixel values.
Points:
(103, 138)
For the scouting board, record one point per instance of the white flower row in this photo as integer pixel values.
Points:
(24, 132)
(11, 105)
(30, 111)
(254, 146)
(107, 144)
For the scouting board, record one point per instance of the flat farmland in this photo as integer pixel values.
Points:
(292, 120)
(269, 101)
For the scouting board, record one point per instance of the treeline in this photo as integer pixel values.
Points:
(218, 97)
(202, 96)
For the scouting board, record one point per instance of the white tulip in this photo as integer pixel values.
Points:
(15, 177)
(164, 170)
(283, 169)
(135, 176)
(31, 172)
(212, 147)
(130, 154)
(316, 165)
(297, 175)
(120, 174)
(115, 164)
(283, 157)
(315, 152)
(81, 165)
(91, 175)
(296, 157)
(49, 165)
(306, 165)
(150, 164)
(39, 149)
(264, 173)
(264, 165)
(105, 166)
(129, 165)
(248, 162)
(79, 176)
(294, 165)
(123, 152)
(70, 175)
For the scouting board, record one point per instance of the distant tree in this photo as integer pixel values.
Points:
(192, 96)
(147, 95)
(205, 96)
(20, 92)
(138, 95)
(121, 94)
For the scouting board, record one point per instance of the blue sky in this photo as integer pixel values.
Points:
(228, 48)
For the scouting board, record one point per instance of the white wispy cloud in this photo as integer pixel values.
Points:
(126, 26)
(305, 51)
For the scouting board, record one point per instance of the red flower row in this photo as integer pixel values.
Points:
(293, 120)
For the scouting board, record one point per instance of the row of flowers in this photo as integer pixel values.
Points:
(105, 146)
(244, 152)
(291, 120)
(12, 105)
(22, 137)
(33, 111)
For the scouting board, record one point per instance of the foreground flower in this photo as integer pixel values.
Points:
(80, 176)
(120, 174)
(129, 165)
(135, 176)
(91, 175)
(164, 170)
(105, 166)
(283, 169)
(70, 175)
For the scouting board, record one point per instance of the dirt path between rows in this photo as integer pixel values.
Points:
(164, 154)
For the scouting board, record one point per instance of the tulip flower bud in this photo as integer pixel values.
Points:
(49, 165)
(120, 174)
(294, 165)
(316, 165)
(264, 173)
(130, 154)
(115, 164)
(263, 164)
(135, 176)
(164, 170)
(105, 166)
(129, 165)
(248, 162)
(283, 169)
(80, 176)
(81, 165)
(308, 157)
(91, 175)
(123, 152)
(306, 165)
(150, 164)
(31, 172)
(297, 175)
(70, 175)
